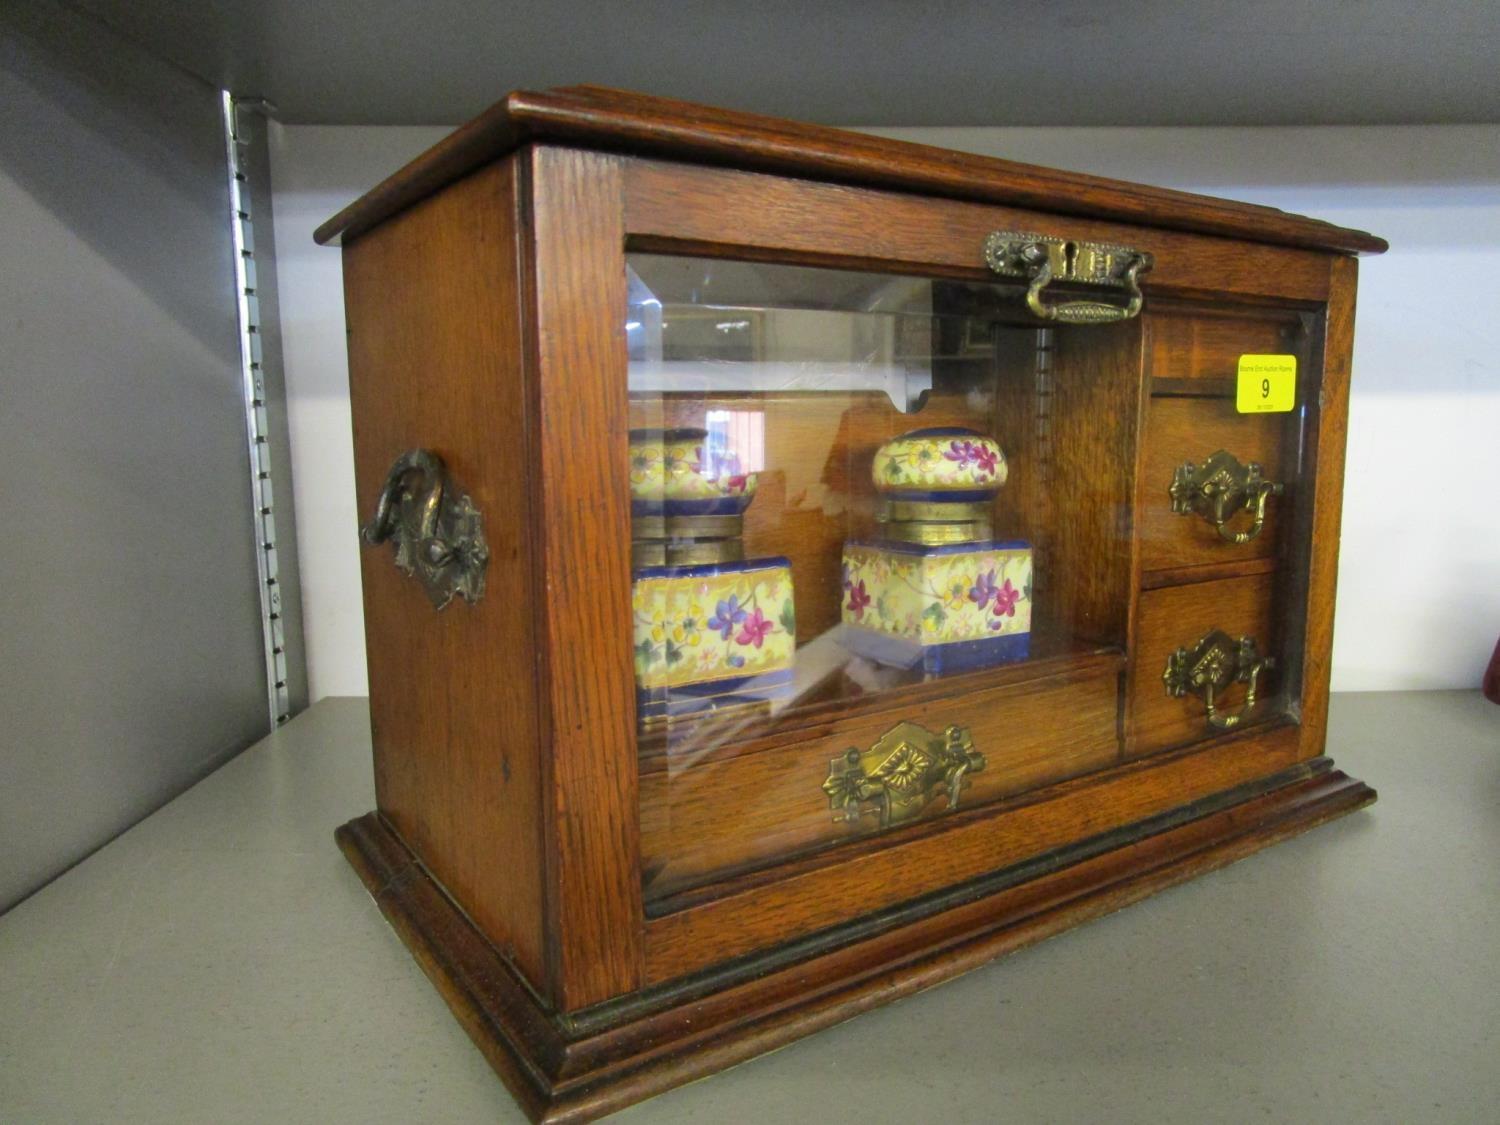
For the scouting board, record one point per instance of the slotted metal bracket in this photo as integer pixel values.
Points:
(257, 426)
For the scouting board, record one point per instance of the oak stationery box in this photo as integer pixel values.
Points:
(802, 566)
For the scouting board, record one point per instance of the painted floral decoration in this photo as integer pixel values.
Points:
(859, 599)
(695, 625)
(939, 460)
(673, 465)
(939, 598)
(754, 630)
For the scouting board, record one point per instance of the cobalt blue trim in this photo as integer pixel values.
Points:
(684, 699)
(680, 433)
(942, 431)
(954, 656)
(697, 570)
(717, 506)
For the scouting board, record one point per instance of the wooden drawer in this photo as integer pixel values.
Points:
(1197, 351)
(1178, 617)
(1180, 429)
(705, 818)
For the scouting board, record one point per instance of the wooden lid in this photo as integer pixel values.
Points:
(600, 118)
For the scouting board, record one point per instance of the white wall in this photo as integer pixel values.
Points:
(1419, 579)
(316, 170)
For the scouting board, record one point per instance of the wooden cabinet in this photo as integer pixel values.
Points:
(821, 564)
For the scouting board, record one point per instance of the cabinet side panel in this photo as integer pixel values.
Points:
(577, 270)
(436, 361)
(1327, 440)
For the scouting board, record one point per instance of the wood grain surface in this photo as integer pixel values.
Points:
(581, 557)
(1327, 438)
(828, 891)
(433, 305)
(577, 1069)
(1190, 429)
(688, 208)
(1180, 616)
(705, 819)
(617, 120)
(1195, 348)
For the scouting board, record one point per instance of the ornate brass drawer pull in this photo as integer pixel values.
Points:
(1219, 489)
(439, 535)
(901, 773)
(1044, 258)
(1210, 667)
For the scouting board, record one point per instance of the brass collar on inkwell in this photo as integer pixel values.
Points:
(686, 509)
(937, 486)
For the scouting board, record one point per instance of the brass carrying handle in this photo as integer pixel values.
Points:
(1221, 488)
(439, 535)
(1042, 259)
(1210, 667)
(901, 773)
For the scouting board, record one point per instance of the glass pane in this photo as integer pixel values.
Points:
(828, 524)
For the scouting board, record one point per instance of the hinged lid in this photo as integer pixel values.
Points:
(597, 117)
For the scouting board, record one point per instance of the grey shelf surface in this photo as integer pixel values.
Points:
(221, 962)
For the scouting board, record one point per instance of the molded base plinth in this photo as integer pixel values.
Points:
(580, 1066)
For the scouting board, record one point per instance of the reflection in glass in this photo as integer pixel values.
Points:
(838, 516)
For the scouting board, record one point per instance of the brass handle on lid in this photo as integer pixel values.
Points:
(1210, 667)
(1219, 489)
(901, 773)
(439, 534)
(1043, 258)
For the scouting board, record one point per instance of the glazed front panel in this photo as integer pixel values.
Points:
(791, 362)
(840, 567)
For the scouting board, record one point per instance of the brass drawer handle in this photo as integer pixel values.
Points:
(901, 773)
(438, 532)
(1210, 667)
(1043, 258)
(1219, 489)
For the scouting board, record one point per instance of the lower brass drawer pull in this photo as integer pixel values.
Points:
(1210, 667)
(901, 773)
(1219, 489)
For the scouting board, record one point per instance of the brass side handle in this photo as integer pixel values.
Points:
(1041, 259)
(898, 776)
(1210, 667)
(439, 535)
(1221, 488)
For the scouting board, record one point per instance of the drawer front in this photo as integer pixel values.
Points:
(705, 820)
(1182, 430)
(1179, 617)
(1198, 351)
(859, 881)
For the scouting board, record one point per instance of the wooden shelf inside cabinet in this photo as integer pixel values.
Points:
(777, 594)
(839, 699)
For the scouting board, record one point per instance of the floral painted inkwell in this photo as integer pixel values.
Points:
(936, 590)
(712, 629)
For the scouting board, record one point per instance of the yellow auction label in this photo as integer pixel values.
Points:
(1267, 384)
